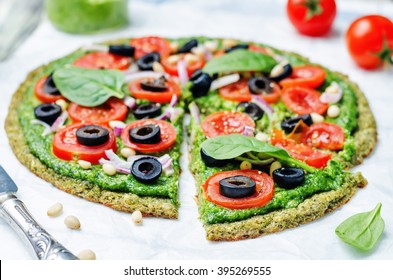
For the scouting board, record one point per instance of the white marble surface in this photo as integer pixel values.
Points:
(112, 235)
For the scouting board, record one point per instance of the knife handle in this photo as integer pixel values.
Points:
(43, 245)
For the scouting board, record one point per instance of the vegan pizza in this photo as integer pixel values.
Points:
(271, 135)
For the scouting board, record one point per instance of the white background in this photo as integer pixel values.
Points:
(112, 235)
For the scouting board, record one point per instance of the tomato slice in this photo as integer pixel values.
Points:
(113, 109)
(240, 92)
(168, 136)
(65, 145)
(97, 60)
(300, 151)
(264, 190)
(42, 95)
(302, 100)
(256, 48)
(146, 45)
(171, 68)
(325, 136)
(161, 97)
(305, 76)
(224, 123)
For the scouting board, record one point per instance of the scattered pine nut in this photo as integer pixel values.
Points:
(317, 118)
(333, 111)
(55, 210)
(84, 164)
(262, 137)
(173, 59)
(87, 255)
(157, 67)
(114, 124)
(137, 217)
(62, 103)
(229, 43)
(109, 169)
(174, 47)
(211, 46)
(127, 152)
(72, 222)
(191, 59)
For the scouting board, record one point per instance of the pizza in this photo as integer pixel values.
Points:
(271, 135)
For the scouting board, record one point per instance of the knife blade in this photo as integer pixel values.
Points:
(43, 246)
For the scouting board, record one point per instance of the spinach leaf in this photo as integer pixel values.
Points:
(362, 230)
(89, 87)
(240, 60)
(234, 145)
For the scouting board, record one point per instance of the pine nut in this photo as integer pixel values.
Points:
(262, 137)
(173, 59)
(174, 47)
(55, 210)
(84, 164)
(190, 58)
(157, 67)
(245, 165)
(72, 222)
(199, 52)
(229, 43)
(211, 46)
(109, 169)
(317, 118)
(114, 124)
(62, 103)
(127, 152)
(87, 255)
(274, 166)
(333, 111)
(137, 217)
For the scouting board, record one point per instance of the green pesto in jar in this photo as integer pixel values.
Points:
(87, 16)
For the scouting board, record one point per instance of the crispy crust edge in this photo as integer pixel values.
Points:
(126, 202)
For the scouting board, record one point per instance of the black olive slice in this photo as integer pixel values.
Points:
(260, 85)
(187, 47)
(251, 109)
(201, 85)
(212, 162)
(285, 74)
(146, 134)
(50, 87)
(123, 50)
(290, 123)
(145, 63)
(237, 47)
(148, 110)
(92, 135)
(288, 177)
(146, 169)
(156, 85)
(47, 112)
(237, 186)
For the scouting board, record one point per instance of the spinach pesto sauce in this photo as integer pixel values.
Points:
(41, 147)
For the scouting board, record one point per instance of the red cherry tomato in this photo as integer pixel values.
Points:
(146, 45)
(301, 100)
(97, 60)
(171, 68)
(240, 92)
(168, 136)
(162, 97)
(264, 190)
(370, 41)
(42, 95)
(223, 123)
(113, 109)
(325, 136)
(305, 76)
(312, 17)
(66, 146)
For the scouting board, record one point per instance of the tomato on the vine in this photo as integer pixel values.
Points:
(370, 41)
(312, 17)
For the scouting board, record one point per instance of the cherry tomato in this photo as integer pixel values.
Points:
(264, 190)
(113, 109)
(162, 97)
(370, 41)
(240, 92)
(146, 45)
(325, 136)
(42, 95)
(223, 123)
(168, 136)
(66, 146)
(303, 100)
(312, 17)
(171, 68)
(300, 151)
(97, 60)
(305, 76)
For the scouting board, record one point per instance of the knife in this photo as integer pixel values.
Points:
(43, 245)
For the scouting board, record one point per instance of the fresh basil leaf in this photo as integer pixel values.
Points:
(234, 145)
(239, 61)
(362, 230)
(89, 87)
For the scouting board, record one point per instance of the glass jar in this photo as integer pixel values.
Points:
(87, 16)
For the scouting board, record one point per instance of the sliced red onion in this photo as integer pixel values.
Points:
(182, 71)
(194, 112)
(144, 74)
(264, 105)
(96, 48)
(224, 81)
(59, 122)
(248, 131)
(47, 129)
(167, 166)
(169, 112)
(332, 94)
(130, 102)
(118, 131)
